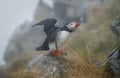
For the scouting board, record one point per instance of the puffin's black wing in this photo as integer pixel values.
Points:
(49, 24)
(50, 38)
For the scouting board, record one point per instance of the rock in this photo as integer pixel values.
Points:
(115, 27)
(114, 62)
(50, 65)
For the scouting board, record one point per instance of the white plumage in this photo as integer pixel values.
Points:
(61, 38)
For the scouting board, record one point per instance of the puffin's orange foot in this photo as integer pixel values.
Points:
(57, 52)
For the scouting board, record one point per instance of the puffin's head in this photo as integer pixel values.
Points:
(73, 25)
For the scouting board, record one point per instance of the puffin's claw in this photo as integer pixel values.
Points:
(57, 52)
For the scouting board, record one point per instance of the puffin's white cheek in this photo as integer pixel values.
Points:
(72, 27)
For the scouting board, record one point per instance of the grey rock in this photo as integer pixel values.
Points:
(50, 65)
(115, 27)
(114, 62)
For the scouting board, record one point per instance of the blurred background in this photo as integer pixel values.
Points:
(18, 39)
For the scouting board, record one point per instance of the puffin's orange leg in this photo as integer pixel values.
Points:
(57, 52)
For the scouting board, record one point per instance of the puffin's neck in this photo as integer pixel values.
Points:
(66, 29)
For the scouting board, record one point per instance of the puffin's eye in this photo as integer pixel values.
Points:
(71, 24)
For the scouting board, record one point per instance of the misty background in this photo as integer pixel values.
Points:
(12, 14)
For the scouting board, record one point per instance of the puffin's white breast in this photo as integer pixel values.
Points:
(62, 37)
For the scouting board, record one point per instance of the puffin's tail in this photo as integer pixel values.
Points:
(42, 48)
(39, 48)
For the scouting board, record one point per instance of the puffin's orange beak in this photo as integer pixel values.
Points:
(77, 24)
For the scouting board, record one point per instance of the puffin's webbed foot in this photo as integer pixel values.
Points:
(57, 52)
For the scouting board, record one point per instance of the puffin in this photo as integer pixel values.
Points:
(56, 36)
